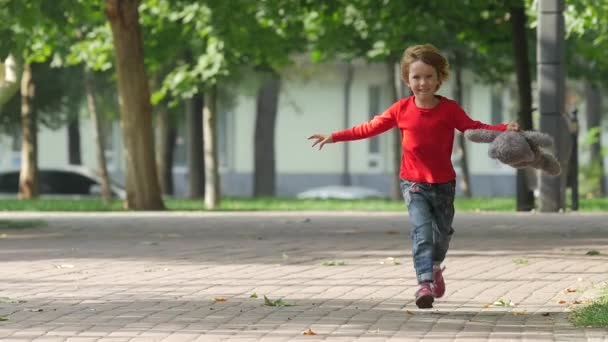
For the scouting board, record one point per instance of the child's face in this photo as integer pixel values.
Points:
(423, 80)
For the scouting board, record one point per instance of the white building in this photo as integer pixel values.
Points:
(311, 101)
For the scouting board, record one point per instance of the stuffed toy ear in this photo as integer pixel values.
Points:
(481, 135)
(538, 139)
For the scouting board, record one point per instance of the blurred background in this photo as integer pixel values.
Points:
(145, 100)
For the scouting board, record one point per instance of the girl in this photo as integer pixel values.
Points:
(427, 122)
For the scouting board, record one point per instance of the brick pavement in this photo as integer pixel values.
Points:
(156, 277)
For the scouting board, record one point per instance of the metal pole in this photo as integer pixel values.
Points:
(573, 167)
(551, 99)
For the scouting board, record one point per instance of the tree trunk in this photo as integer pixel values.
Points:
(212, 178)
(263, 144)
(9, 83)
(594, 120)
(194, 124)
(28, 177)
(397, 90)
(74, 142)
(166, 150)
(465, 179)
(525, 194)
(136, 110)
(98, 137)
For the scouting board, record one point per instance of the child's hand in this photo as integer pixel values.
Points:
(321, 139)
(513, 126)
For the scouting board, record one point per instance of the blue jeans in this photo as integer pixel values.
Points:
(431, 211)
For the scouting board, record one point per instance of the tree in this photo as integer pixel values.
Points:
(201, 75)
(587, 55)
(221, 52)
(166, 147)
(30, 38)
(143, 191)
(277, 30)
(525, 194)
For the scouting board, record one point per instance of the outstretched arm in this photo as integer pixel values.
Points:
(463, 122)
(380, 123)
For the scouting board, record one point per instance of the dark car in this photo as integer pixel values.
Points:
(71, 181)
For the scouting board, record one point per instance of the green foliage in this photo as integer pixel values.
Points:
(94, 50)
(587, 39)
(57, 100)
(213, 40)
(591, 175)
(474, 33)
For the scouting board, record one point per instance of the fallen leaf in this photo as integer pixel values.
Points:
(254, 295)
(278, 302)
(570, 290)
(333, 263)
(545, 314)
(64, 266)
(593, 252)
(390, 261)
(562, 302)
(485, 306)
(503, 302)
(577, 302)
(409, 312)
(521, 261)
(219, 299)
(520, 313)
(309, 332)
(392, 232)
(2, 318)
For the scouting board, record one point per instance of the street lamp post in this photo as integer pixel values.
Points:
(551, 98)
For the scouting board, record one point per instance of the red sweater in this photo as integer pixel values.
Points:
(427, 136)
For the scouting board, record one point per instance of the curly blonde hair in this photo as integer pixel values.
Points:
(428, 54)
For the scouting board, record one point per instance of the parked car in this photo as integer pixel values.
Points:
(70, 181)
(340, 192)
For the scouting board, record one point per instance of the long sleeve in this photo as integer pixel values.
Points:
(379, 124)
(463, 122)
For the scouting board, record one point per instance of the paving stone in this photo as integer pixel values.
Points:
(172, 277)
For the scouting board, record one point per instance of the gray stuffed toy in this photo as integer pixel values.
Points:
(518, 149)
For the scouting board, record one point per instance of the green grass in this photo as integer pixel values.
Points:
(21, 224)
(278, 204)
(594, 315)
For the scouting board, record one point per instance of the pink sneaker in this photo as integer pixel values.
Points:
(438, 282)
(424, 296)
